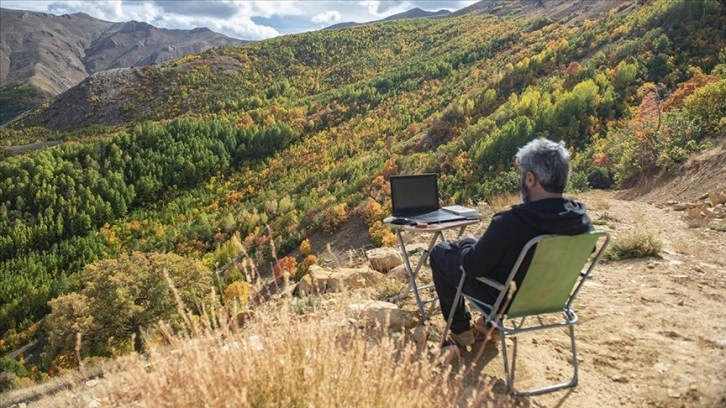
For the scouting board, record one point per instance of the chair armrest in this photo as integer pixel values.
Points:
(491, 283)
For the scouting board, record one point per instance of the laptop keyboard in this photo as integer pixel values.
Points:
(435, 216)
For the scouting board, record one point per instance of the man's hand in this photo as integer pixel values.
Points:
(465, 237)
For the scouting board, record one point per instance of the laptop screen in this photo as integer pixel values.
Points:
(414, 194)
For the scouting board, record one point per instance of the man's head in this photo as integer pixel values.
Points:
(545, 168)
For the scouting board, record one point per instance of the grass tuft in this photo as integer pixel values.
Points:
(633, 247)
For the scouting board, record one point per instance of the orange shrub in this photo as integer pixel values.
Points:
(284, 266)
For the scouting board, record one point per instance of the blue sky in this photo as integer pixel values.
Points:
(246, 20)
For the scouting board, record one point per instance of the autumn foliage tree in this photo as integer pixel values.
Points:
(120, 303)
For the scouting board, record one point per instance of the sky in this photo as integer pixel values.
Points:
(246, 20)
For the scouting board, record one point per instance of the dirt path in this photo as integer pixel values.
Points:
(652, 331)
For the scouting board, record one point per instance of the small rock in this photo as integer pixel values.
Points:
(672, 334)
(384, 259)
(661, 367)
(619, 378)
(399, 273)
(681, 207)
(420, 335)
(686, 379)
(714, 198)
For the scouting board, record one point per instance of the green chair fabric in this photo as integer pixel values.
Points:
(558, 268)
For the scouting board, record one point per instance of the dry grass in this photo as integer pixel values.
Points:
(503, 202)
(389, 287)
(632, 247)
(598, 205)
(280, 358)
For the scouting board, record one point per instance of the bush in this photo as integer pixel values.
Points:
(121, 300)
(305, 247)
(381, 235)
(284, 266)
(599, 178)
(636, 246)
(237, 291)
(335, 216)
(304, 266)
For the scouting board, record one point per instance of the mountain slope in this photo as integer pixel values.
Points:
(282, 139)
(53, 53)
(413, 13)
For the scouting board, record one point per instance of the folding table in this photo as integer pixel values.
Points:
(438, 234)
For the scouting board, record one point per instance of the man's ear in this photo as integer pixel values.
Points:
(530, 179)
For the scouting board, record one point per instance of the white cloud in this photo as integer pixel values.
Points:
(328, 17)
(387, 8)
(249, 20)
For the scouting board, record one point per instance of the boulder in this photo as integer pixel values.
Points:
(320, 280)
(399, 274)
(384, 259)
(352, 278)
(716, 198)
(313, 283)
(374, 312)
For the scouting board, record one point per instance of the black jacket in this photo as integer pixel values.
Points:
(496, 252)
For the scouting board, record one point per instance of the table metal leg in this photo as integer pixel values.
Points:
(412, 274)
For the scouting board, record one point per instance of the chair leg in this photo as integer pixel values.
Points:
(507, 375)
(573, 382)
(542, 390)
(450, 319)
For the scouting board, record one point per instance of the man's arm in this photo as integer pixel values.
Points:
(479, 257)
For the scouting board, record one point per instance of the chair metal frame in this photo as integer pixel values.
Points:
(517, 309)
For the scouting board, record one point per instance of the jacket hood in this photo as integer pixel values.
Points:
(554, 216)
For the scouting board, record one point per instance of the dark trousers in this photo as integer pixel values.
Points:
(445, 261)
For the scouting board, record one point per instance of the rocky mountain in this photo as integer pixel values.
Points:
(113, 97)
(413, 13)
(44, 54)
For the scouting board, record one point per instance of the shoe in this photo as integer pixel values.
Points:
(482, 327)
(464, 339)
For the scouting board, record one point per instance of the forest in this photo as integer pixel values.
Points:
(259, 146)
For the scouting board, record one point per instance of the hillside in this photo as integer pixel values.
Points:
(315, 67)
(258, 153)
(638, 343)
(47, 54)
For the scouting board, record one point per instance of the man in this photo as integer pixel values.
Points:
(545, 170)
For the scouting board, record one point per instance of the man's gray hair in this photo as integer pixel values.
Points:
(548, 161)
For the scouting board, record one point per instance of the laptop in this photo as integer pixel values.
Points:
(415, 198)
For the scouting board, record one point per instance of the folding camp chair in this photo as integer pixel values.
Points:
(550, 284)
